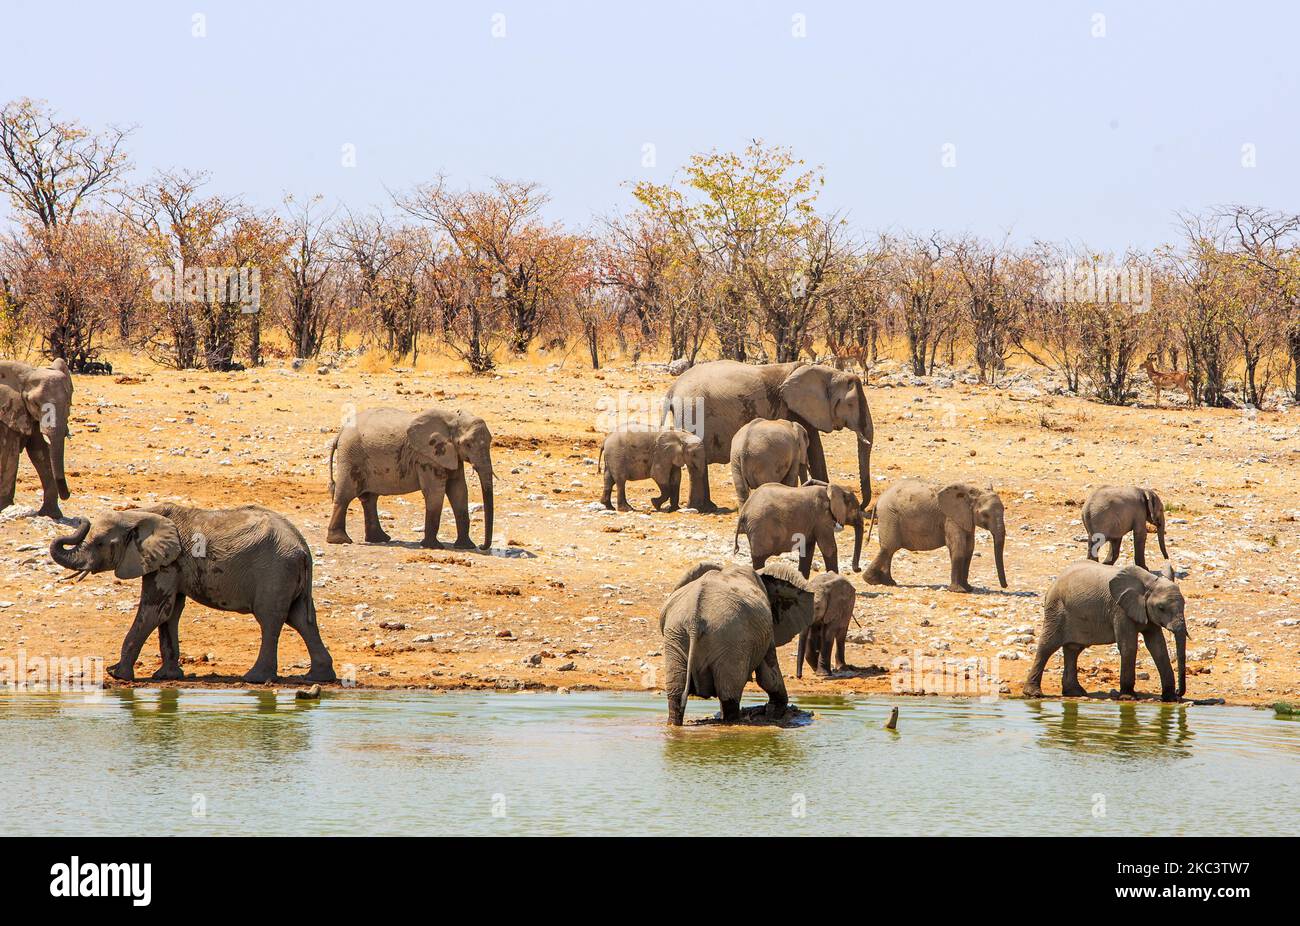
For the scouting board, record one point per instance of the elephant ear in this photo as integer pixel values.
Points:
(1155, 508)
(13, 411)
(1128, 589)
(690, 575)
(153, 543)
(791, 600)
(957, 503)
(807, 393)
(839, 503)
(430, 436)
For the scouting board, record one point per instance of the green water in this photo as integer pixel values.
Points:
(200, 762)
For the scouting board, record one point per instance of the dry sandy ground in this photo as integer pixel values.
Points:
(570, 596)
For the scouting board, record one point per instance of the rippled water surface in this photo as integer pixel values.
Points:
(195, 762)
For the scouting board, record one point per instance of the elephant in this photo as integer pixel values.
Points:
(719, 397)
(722, 625)
(833, 600)
(246, 560)
(1092, 603)
(35, 404)
(779, 518)
(658, 455)
(768, 451)
(917, 516)
(384, 451)
(1112, 511)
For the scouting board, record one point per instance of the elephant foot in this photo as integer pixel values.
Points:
(1073, 691)
(431, 543)
(322, 675)
(338, 537)
(380, 537)
(673, 507)
(464, 543)
(956, 587)
(731, 711)
(1127, 696)
(256, 676)
(871, 577)
(655, 503)
(121, 673)
(168, 674)
(706, 508)
(625, 507)
(1169, 697)
(609, 506)
(50, 510)
(775, 710)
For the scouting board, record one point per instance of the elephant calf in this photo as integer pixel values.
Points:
(833, 600)
(917, 516)
(1112, 511)
(779, 518)
(1091, 604)
(768, 451)
(721, 627)
(385, 451)
(658, 455)
(247, 560)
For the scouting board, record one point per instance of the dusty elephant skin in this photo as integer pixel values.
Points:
(917, 516)
(722, 625)
(778, 519)
(768, 451)
(385, 451)
(658, 455)
(1113, 511)
(1092, 604)
(35, 404)
(731, 394)
(247, 560)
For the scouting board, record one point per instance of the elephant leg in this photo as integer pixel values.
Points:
(169, 644)
(829, 550)
(458, 496)
(1047, 647)
(699, 495)
(302, 618)
(337, 532)
(434, 490)
(840, 663)
(676, 711)
(148, 615)
(1114, 551)
(878, 573)
(768, 676)
(1070, 687)
(1126, 640)
(370, 509)
(39, 453)
(675, 491)
(268, 656)
(961, 546)
(1140, 545)
(622, 496)
(826, 639)
(730, 710)
(609, 489)
(11, 448)
(805, 561)
(816, 455)
(1155, 641)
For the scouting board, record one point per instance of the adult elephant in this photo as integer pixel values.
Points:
(716, 399)
(35, 403)
(384, 451)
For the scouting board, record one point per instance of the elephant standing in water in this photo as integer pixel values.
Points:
(247, 560)
(385, 451)
(1092, 604)
(914, 515)
(722, 625)
(35, 404)
(1112, 511)
(716, 399)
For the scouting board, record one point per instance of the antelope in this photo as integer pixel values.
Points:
(1162, 379)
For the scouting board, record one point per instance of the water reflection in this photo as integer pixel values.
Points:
(720, 747)
(194, 723)
(1128, 731)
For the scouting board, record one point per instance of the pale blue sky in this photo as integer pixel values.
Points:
(1058, 134)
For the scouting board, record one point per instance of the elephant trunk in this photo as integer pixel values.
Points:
(485, 483)
(999, 543)
(1160, 535)
(857, 542)
(74, 559)
(57, 438)
(799, 651)
(866, 435)
(1180, 647)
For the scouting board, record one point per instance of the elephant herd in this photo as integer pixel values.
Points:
(722, 624)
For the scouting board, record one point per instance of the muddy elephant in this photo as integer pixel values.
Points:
(780, 519)
(1093, 604)
(1112, 511)
(384, 451)
(720, 397)
(768, 451)
(833, 601)
(917, 516)
(248, 560)
(658, 455)
(722, 625)
(35, 404)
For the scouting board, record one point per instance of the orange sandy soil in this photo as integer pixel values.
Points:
(574, 601)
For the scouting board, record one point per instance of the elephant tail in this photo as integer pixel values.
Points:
(600, 456)
(870, 527)
(740, 525)
(333, 446)
(690, 658)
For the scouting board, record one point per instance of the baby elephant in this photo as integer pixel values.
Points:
(1112, 511)
(247, 560)
(657, 455)
(779, 518)
(722, 625)
(833, 600)
(917, 516)
(1091, 604)
(768, 451)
